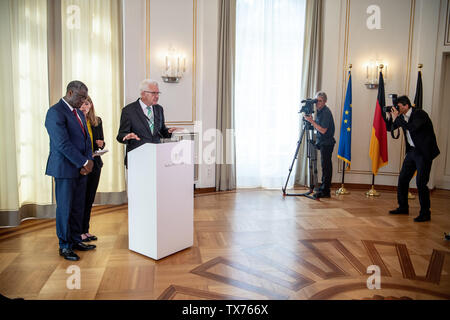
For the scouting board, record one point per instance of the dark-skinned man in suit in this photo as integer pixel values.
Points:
(421, 149)
(143, 121)
(69, 162)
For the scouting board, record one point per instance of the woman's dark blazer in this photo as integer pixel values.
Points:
(97, 134)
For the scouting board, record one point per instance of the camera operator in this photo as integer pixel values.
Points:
(421, 149)
(325, 142)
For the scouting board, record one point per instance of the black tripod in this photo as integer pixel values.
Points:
(311, 155)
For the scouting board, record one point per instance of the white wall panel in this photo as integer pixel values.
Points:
(172, 23)
(407, 36)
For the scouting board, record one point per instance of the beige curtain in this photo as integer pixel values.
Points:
(225, 155)
(89, 49)
(91, 52)
(25, 191)
(311, 72)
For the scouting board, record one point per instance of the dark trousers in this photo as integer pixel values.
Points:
(92, 183)
(70, 197)
(327, 167)
(415, 161)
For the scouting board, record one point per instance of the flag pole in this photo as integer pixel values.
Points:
(372, 192)
(342, 190)
(419, 66)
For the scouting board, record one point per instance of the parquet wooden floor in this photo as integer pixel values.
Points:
(249, 244)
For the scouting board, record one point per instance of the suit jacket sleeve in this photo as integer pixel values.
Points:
(99, 134)
(57, 131)
(390, 125)
(415, 123)
(125, 126)
(164, 130)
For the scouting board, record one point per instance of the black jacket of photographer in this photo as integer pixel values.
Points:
(421, 131)
(325, 120)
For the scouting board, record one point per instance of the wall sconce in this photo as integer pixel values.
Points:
(174, 67)
(373, 69)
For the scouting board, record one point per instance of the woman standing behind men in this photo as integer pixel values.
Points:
(95, 128)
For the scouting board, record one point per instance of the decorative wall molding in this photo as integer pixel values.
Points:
(150, 70)
(347, 61)
(447, 26)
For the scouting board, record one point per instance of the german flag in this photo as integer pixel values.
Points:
(378, 151)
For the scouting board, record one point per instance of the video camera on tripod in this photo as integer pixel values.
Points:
(308, 107)
(307, 131)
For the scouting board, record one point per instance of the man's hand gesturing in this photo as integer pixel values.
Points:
(131, 136)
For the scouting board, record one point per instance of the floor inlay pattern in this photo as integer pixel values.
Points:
(248, 244)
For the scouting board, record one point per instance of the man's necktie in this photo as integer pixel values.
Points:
(79, 121)
(151, 118)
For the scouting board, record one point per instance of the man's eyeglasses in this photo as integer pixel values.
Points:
(154, 93)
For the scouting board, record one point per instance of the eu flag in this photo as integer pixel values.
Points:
(345, 139)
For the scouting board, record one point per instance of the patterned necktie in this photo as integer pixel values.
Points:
(151, 119)
(79, 121)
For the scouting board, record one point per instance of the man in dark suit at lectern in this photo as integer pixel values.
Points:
(69, 161)
(421, 149)
(143, 121)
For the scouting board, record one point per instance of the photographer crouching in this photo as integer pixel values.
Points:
(421, 149)
(325, 142)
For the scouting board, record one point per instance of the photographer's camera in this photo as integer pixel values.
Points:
(394, 97)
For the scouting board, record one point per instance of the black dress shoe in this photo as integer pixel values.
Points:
(399, 211)
(86, 239)
(92, 238)
(68, 254)
(422, 218)
(320, 194)
(83, 247)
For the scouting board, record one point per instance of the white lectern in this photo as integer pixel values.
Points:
(161, 198)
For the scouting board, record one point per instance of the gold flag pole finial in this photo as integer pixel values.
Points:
(420, 66)
(350, 66)
(381, 67)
